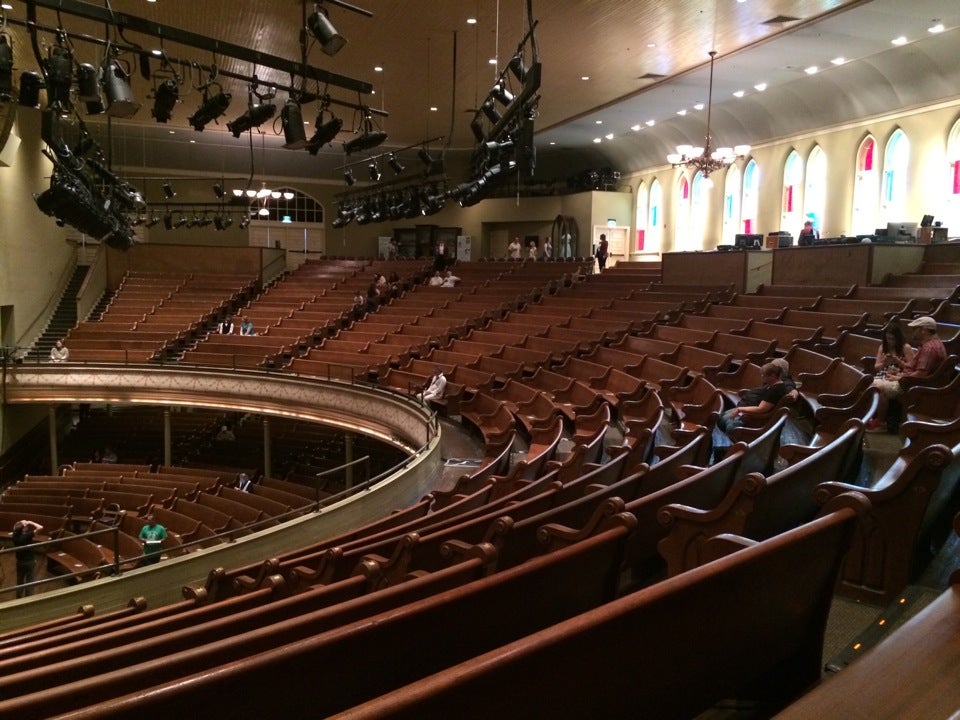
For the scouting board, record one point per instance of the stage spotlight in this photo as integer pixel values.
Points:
(490, 110)
(374, 172)
(319, 25)
(425, 157)
(295, 137)
(88, 88)
(517, 68)
(325, 132)
(219, 191)
(168, 221)
(181, 222)
(30, 86)
(165, 98)
(255, 116)
(348, 177)
(501, 94)
(245, 223)
(153, 220)
(368, 139)
(212, 107)
(168, 192)
(59, 77)
(6, 69)
(394, 164)
(116, 86)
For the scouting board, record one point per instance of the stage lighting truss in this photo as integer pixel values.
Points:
(395, 201)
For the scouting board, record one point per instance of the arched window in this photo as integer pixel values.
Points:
(951, 208)
(791, 213)
(699, 207)
(289, 219)
(643, 201)
(751, 195)
(653, 241)
(681, 222)
(731, 205)
(896, 158)
(866, 190)
(815, 190)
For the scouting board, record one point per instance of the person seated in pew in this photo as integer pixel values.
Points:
(449, 280)
(894, 351)
(808, 234)
(59, 353)
(928, 357)
(785, 376)
(152, 535)
(246, 327)
(436, 386)
(757, 401)
(359, 304)
(109, 456)
(243, 482)
(226, 326)
(225, 434)
(436, 280)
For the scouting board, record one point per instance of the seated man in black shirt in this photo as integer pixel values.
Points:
(759, 400)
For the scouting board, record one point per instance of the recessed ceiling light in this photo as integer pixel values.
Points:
(598, 140)
(599, 122)
(553, 142)
(681, 112)
(698, 106)
(739, 93)
(609, 136)
(760, 87)
(172, 132)
(492, 61)
(635, 128)
(471, 21)
(651, 45)
(157, 53)
(584, 77)
(937, 28)
(378, 68)
(651, 123)
(812, 70)
(902, 40)
(433, 108)
(839, 60)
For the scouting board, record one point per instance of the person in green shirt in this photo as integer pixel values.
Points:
(152, 535)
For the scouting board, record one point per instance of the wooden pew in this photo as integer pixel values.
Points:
(264, 658)
(757, 507)
(911, 508)
(633, 656)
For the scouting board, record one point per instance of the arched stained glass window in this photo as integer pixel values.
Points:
(751, 195)
(731, 205)
(866, 190)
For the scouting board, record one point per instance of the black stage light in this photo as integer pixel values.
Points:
(490, 110)
(212, 107)
(255, 116)
(59, 77)
(394, 164)
(30, 86)
(348, 177)
(154, 219)
(116, 86)
(168, 192)
(165, 98)
(322, 29)
(294, 135)
(325, 133)
(368, 140)
(88, 88)
(181, 222)
(517, 67)
(168, 221)
(245, 223)
(374, 171)
(219, 191)
(477, 127)
(6, 69)
(501, 94)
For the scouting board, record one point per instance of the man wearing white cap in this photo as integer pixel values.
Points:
(930, 354)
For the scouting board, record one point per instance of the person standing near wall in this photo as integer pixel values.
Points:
(23, 538)
(602, 249)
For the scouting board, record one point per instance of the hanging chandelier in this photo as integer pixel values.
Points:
(706, 159)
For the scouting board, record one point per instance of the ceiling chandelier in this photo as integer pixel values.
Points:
(707, 159)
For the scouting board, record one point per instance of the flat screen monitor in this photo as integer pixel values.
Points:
(927, 221)
(748, 240)
(901, 230)
(785, 241)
